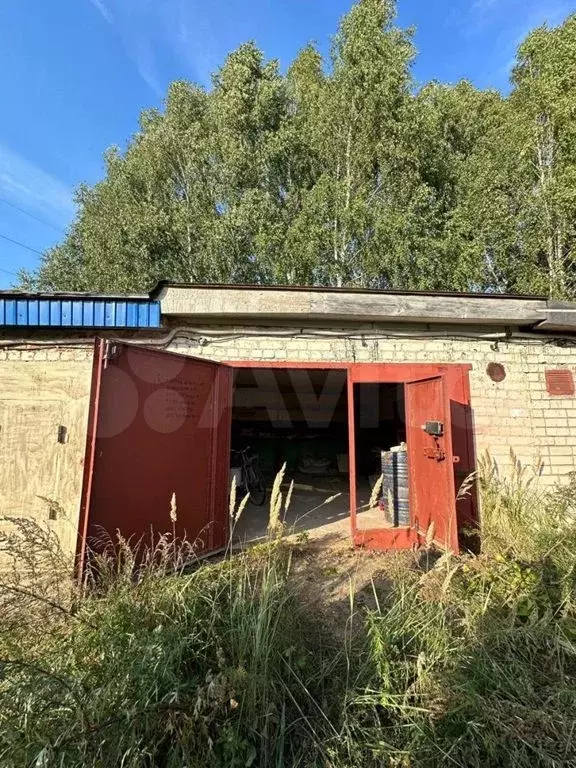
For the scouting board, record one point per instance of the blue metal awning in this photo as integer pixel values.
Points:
(77, 311)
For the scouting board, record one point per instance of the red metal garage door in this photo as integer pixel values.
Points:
(429, 398)
(429, 438)
(162, 427)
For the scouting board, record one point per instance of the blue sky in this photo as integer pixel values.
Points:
(76, 73)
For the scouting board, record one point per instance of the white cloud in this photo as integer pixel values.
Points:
(480, 7)
(102, 10)
(141, 51)
(496, 28)
(130, 26)
(27, 185)
(192, 37)
(146, 29)
(512, 18)
(538, 13)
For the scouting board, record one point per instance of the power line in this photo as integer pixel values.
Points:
(8, 272)
(17, 242)
(32, 215)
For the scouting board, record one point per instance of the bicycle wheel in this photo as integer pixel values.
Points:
(255, 486)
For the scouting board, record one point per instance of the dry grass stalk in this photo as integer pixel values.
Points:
(241, 508)
(173, 508)
(375, 495)
(430, 533)
(466, 486)
(232, 499)
(274, 518)
(288, 497)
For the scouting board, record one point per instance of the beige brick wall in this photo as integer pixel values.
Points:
(40, 390)
(516, 413)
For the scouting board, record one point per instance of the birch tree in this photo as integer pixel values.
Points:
(520, 205)
(341, 172)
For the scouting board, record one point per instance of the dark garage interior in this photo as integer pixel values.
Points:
(299, 417)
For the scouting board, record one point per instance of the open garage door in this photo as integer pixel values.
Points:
(418, 419)
(431, 462)
(161, 427)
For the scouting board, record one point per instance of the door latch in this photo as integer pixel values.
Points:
(435, 453)
(438, 454)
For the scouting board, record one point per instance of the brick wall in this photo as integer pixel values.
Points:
(41, 390)
(49, 353)
(516, 413)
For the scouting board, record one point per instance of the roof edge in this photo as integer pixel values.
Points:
(162, 284)
(79, 295)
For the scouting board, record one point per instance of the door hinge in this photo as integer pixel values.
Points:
(111, 353)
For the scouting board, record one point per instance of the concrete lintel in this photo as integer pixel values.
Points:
(254, 304)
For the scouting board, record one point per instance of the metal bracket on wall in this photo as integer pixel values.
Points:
(438, 454)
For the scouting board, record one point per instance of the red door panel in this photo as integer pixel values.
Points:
(431, 463)
(163, 427)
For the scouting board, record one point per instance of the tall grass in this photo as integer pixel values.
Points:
(521, 516)
(473, 663)
(160, 666)
(470, 662)
(203, 669)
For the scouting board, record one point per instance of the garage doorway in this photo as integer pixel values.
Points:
(297, 417)
(379, 435)
(302, 418)
(296, 413)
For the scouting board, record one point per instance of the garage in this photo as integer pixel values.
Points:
(166, 424)
(152, 425)
(110, 406)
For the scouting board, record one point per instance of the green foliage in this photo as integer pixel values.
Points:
(467, 661)
(340, 173)
(473, 662)
(518, 200)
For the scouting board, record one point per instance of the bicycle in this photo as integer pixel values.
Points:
(251, 477)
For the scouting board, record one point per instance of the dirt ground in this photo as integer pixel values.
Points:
(334, 577)
(337, 579)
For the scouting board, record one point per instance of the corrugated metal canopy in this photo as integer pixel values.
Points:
(77, 311)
